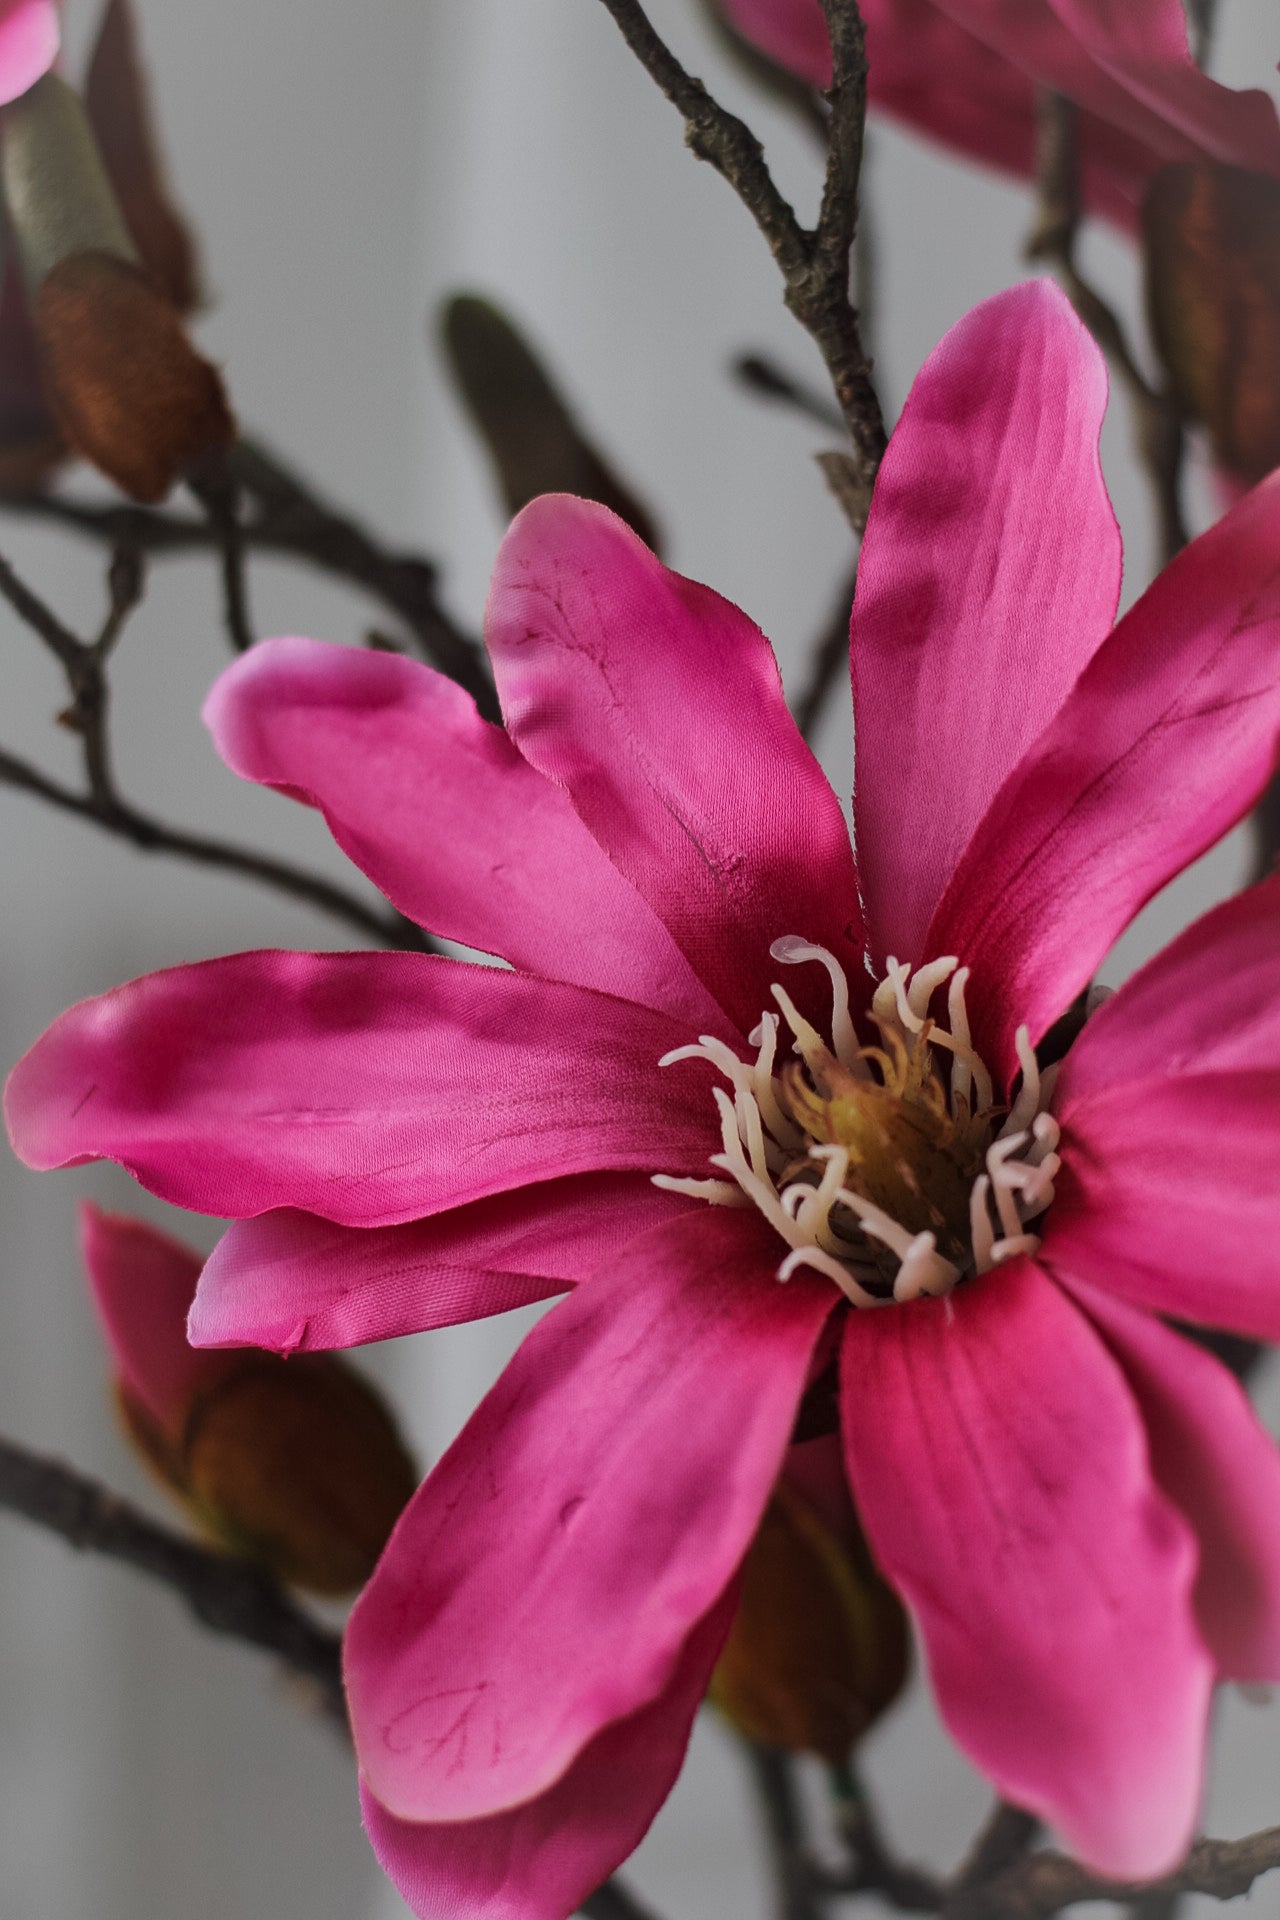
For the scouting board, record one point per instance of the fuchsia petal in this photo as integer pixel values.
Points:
(998, 1463)
(539, 1861)
(1166, 740)
(658, 706)
(29, 39)
(142, 1285)
(1216, 1463)
(1168, 1197)
(291, 1281)
(366, 1087)
(792, 33)
(543, 1583)
(1208, 1003)
(989, 576)
(438, 808)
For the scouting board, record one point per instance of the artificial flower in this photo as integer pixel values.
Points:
(297, 1464)
(29, 38)
(967, 72)
(863, 1170)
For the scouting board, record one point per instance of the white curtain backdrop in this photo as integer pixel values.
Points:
(346, 167)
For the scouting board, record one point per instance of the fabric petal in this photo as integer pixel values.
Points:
(29, 39)
(989, 576)
(1217, 1464)
(998, 1462)
(1168, 1197)
(658, 706)
(369, 1088)
(445, 817)
(544, 1581)
(1208, 1003)
(293, 1282)
(541, 1859)
(142, 1283)
(1167, 738)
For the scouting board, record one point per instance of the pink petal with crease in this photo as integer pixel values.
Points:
(29, 39)
(1217, 1464)
(142, 1283)
(658, 706)
(1166, 740)
(540, 1860)
(545, 1579)
(1208, 1003)
(369, 1088)
(291, 1281)
(1168, 1197)
(998, 1462)
(988, 578)
(443, 814)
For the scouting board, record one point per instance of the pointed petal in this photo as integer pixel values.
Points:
(1168, 1197)
(1217, 1464)
(541, 1859)
(142, 1283)
(369, 1088)
(543, 1583)
(1166, 740)
(658, 706)
(292, 1282)
(438, 808)
(1208, 1003)
(998, 1462)
(29, 39)
(989, 576)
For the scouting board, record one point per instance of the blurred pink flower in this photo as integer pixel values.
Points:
(966, 72)
(29, 37)
(1077, 1504)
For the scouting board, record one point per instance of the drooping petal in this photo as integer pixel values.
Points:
(545, 1580)
(998, 1463)
(142, 1284)
(1208, 1003)
(989, 576)
(293, 1282)
(540, 1860)
(792, 33)
(1214, 1460)
(29, 39)
(1168, 1197)
(369, 1088)
(442, 813)
(658, 706)
(1165, 741)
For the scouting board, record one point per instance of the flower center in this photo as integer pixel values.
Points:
(888, 1167)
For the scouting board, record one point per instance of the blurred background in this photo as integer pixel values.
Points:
(346, 167)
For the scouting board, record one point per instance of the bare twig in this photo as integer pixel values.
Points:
(85, 667)
(1043, 1884)
(614, 1901)
(229, 1596)
(830, 659)
(796, 1890)
(1159, 430)
(764, 378)
(1004, 1839)
(872, 1868)
(814, 263)
(219, 493)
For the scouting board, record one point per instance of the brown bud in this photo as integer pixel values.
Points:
(819, 1646)
(127, 388)
(1212, 236)
(533, 439)
(298, 1463)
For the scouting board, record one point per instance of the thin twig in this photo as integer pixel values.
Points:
(220, 494)
(1005, 1838)
(796, 1891)
(763, 377)
(830, 659)
(230, 1596)
(872, 1868)
(614, 1901)
(1159, 430)
(1043, 1884)
(814, 263)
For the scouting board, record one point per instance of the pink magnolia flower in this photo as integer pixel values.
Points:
(1077, 1504)
(29, 37)
(966, 72)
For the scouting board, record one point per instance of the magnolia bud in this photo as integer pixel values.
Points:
(819, 1646)
(296, 1463)
(1212, 236)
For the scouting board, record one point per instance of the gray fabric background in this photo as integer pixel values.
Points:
(346, 165)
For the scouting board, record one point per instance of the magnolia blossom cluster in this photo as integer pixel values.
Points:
(899, 1159)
